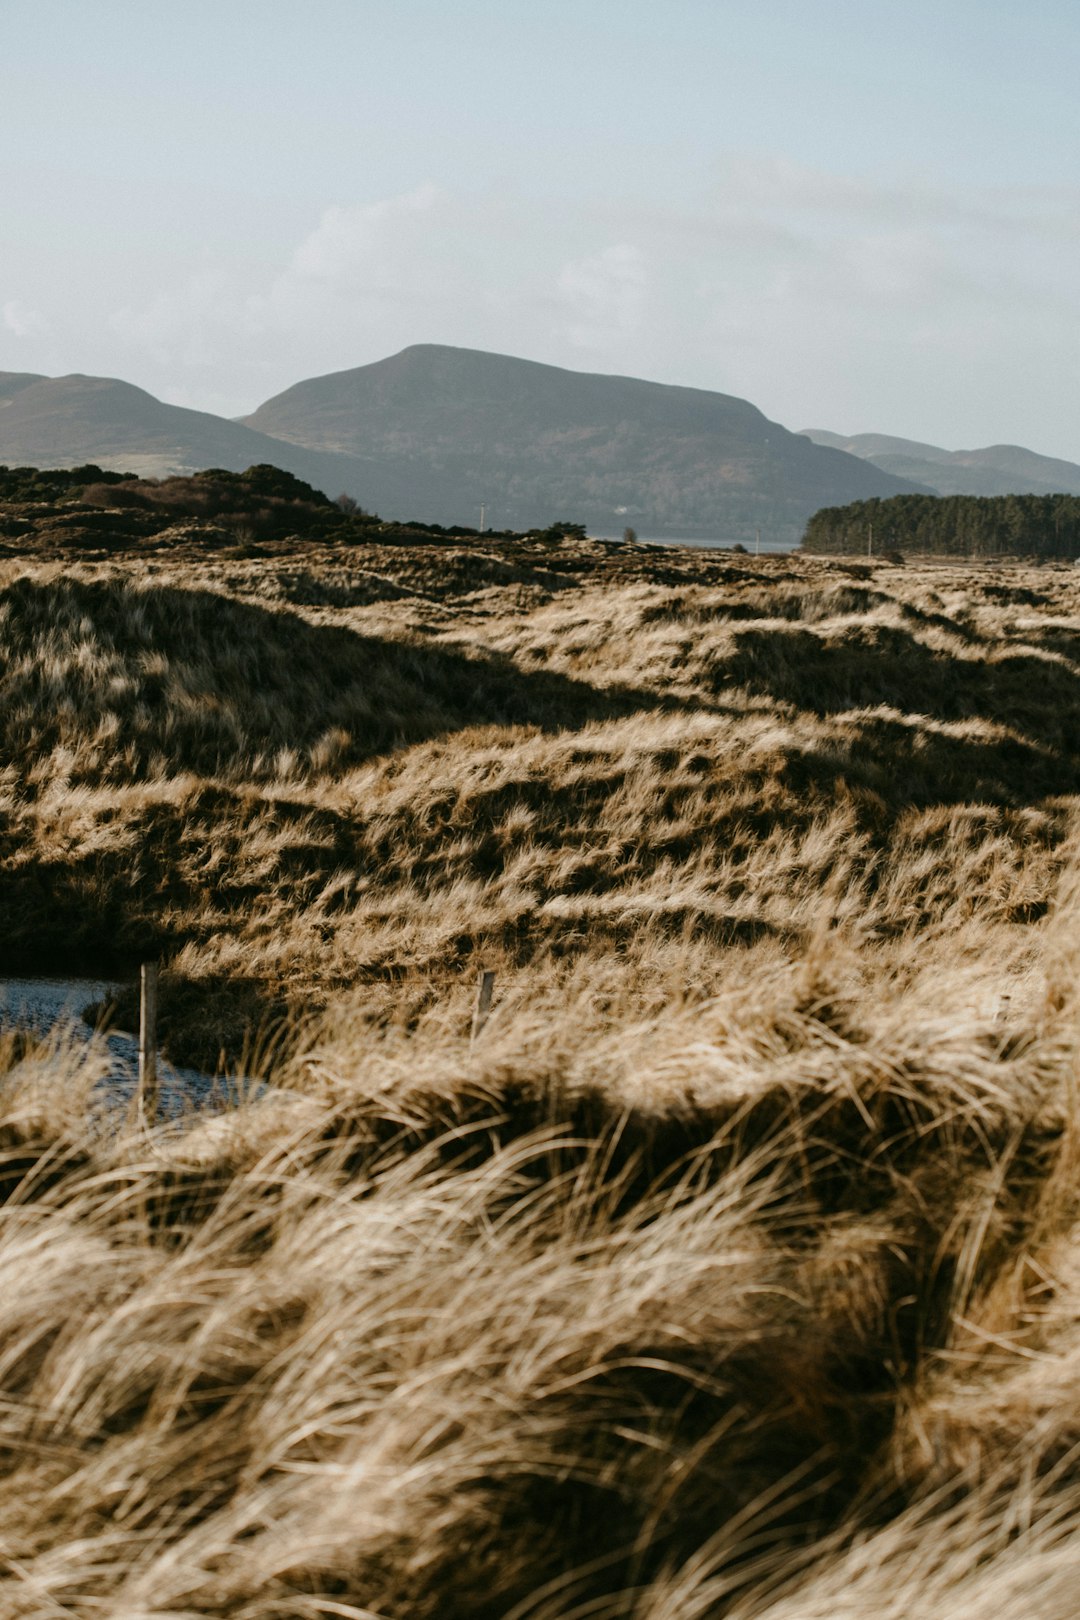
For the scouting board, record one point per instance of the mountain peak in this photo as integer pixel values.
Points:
(535, 442)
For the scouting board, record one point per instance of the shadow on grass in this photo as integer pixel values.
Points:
(863, 666)
(195, 681)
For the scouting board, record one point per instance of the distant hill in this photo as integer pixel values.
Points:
(444, 429)
(62, 421)
(433, 432)
(999, 469)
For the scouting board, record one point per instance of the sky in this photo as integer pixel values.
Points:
(859, 216)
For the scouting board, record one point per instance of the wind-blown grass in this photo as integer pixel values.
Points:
(751, 1307)
(731, 1272)
(593, 753)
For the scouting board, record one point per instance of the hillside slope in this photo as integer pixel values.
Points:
(371, 764)
(999, 469)
(65, 421)
(535, 443)
(13, 382)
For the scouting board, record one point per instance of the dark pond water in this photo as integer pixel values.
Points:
(48, 1005)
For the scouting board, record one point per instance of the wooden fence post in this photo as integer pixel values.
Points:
(485, 988)
(148, 1041)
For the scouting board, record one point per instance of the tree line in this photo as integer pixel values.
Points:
(950, 525)
(264, 502)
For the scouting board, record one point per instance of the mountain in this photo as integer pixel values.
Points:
(444, 429)
(433, 432)
(64, 421)
(999, 469)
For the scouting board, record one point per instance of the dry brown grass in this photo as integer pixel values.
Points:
(732, 1272)
(374, 768)
(764, 1306)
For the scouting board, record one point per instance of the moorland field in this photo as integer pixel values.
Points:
(732, 1270)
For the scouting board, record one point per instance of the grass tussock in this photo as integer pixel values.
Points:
(731, 1271)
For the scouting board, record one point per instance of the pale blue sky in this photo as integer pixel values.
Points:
(862, 217)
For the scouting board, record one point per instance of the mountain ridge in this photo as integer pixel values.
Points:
(536, 441)
(63, 421)
(435, 433)
(996, 469)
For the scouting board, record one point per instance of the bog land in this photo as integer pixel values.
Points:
(731, 1270)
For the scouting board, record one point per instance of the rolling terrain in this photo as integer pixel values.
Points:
(731, 1270)
(244, 737)
(999, 469)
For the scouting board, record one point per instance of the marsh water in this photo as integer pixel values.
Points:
(56, 1006)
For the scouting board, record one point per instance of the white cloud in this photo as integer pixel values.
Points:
(185, 325)
(22, 321)
(605, 294)
(360, 244)
(340, 282)
(827, 299)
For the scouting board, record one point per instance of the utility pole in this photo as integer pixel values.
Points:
(870, 540)
(483, 509)
(757, 542)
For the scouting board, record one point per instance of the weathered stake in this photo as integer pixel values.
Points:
(148, 1041)
(485, 988)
